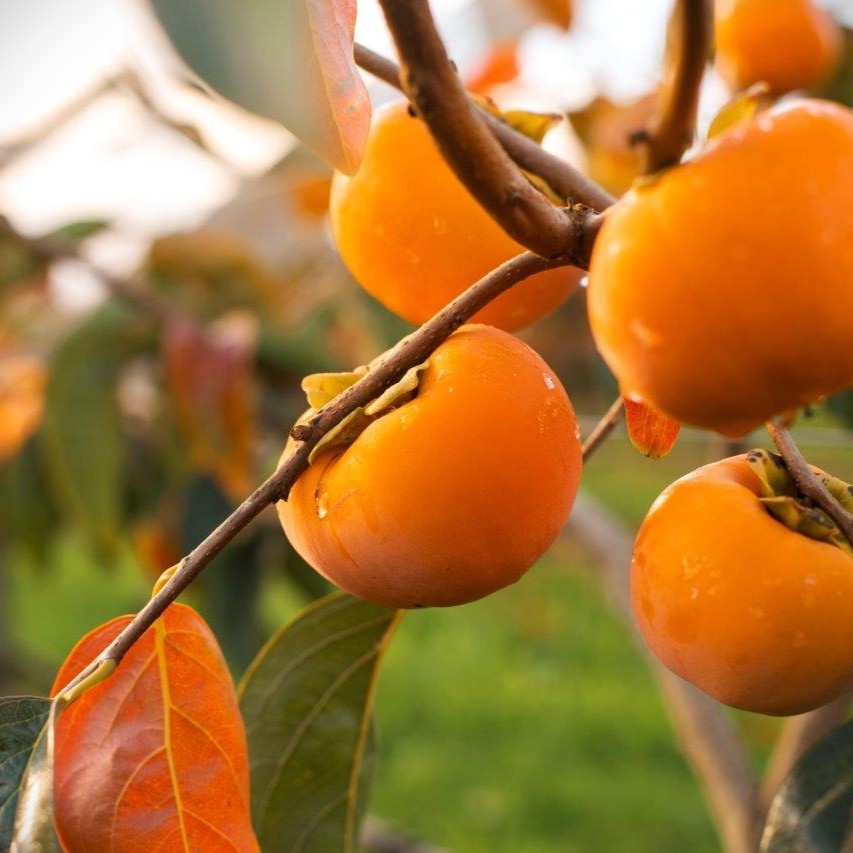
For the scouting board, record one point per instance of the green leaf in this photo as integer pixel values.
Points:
(290, 60)
(83, 443)
(812, 809)
(75, 232)
(23, 720)
(307, 702)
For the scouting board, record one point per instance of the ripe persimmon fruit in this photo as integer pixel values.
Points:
(731, 599)
(788, 44)
(706, 282)
(414, 237)
(451, 495)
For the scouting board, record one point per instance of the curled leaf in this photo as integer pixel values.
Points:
(651, 432)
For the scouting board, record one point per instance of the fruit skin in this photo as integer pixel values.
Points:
(414, 237)
(453, 495)
(720, 293)
(789, 44)
(730, 599)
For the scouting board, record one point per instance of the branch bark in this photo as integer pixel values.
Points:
(604, 427)
(409, 352)
(466, 143)
(563, 178)
(670, 132)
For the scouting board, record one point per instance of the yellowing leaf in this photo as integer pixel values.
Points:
(743, 107)
(23, 381)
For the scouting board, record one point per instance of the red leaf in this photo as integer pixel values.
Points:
(652, 433)
(155, 758)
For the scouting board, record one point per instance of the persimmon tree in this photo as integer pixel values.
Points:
(145, 742)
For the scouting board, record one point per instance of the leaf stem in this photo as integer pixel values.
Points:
(561, 176)
(604, 427)
(430, 81)
(670, 132)
(805, 478)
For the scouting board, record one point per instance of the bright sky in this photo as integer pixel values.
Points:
(116, 162)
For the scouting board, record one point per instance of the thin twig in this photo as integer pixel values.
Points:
(708, 736)
(561, 176)
(466, 143)
(409, 352)
(670, 132)
(604, 427)
(805, 478)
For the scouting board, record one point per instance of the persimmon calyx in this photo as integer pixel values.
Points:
(322, 388)
(783, 500)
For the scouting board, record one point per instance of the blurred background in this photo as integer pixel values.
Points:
(167, 277)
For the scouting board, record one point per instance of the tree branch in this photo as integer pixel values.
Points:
(707, 735)
(604, 427)
(431, 83)
(409, 352)
(563, 178)
(805, 478)
(670, 132)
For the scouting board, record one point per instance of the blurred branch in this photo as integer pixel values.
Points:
(389, 368)
(50, 249)
(563, 178)
(466, 143)
(806, 480)
(604, 427)
(800, 733)
(708, 737)
(670, 132)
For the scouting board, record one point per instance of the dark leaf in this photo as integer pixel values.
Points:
(307, 702)
(75, 232)
(23, 720)
(812, 809)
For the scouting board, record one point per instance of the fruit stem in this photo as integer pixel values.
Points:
(670, 131)
(603, 428)
(807, 482)
(430, 81)
(561, 176)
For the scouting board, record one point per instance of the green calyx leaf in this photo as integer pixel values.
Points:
(783, 500)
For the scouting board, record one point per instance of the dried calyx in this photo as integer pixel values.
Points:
(786, 503)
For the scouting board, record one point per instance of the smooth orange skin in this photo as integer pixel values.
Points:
(414, 238)
(730, 599)
(789, 44)
(721, 293)
(453, 495)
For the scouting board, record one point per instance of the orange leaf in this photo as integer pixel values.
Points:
(23, 382)
(557, 12)
(652, 433)
(499, 65)
(154, 758)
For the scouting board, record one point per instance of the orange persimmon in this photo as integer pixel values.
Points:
(788, 44)
(451, 495)
(720, 292)
(414, 237)
(752, 612)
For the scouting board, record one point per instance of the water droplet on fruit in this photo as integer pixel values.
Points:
(549, 382)
(645, 335)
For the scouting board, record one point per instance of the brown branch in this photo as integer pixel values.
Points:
(409, 352)
(466, 143)
(708, 737)
(806, 480)
(604, 427)
(798, 734)
(670, 132)
(562, 177)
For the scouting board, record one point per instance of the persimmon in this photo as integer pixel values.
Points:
(451, 495)
(728, 597)
(705, 282)
(414, 238)
(788, 44)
